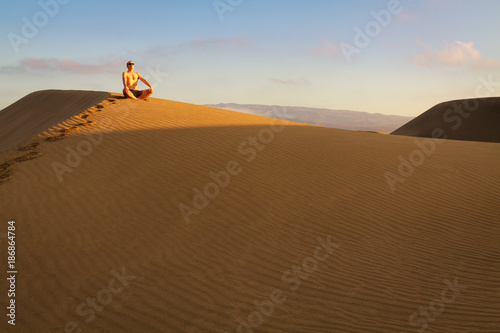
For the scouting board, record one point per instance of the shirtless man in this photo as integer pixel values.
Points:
(130, 80)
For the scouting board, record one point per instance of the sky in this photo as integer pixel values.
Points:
(397, 57)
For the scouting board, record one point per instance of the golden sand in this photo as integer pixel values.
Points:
(163, 216)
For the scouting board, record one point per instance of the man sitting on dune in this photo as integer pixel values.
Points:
(130, 80)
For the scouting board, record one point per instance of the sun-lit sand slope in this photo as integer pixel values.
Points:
(102, 245)
(470, 119)
(40, 110)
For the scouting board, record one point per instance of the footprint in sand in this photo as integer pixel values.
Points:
(31, 146)
(56, 137)
(28, 156)
(5, 172)
(5, 177)
(69, 129)
(84, 116)
(99, 107)
(87, 123)
(5, 166)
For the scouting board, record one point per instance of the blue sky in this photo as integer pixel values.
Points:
(385, 56)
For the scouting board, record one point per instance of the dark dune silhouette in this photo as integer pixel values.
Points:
(467, 119)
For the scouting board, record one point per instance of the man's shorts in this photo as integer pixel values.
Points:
(136, 93)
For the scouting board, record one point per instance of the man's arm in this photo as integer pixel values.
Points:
(145, 81)
(124, 83)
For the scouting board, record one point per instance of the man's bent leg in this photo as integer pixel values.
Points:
(128, 93)
(145, 94)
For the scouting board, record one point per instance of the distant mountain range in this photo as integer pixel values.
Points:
(344, 119)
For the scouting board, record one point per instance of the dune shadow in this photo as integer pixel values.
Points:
(39, 105)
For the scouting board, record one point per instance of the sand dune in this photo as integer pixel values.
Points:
(163, 216)
(470, 119)
(40, 110)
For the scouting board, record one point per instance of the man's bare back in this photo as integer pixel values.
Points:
(130, 81)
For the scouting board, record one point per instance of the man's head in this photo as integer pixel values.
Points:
(130, 64)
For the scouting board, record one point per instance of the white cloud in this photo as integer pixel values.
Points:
(112, 62)
(455, 54)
